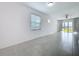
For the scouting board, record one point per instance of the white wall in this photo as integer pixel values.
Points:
(60, 15)
(15, 27)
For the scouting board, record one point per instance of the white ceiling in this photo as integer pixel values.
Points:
(60, 8)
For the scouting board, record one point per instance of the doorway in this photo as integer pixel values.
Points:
(65, 27)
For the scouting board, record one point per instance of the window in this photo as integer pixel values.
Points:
(35, 22)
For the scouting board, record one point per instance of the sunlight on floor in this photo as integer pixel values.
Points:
(67, 41)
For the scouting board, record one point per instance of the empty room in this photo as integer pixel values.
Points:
(39, 28)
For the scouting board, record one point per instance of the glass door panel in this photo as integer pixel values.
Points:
(67, 26)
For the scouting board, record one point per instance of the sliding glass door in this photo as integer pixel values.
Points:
(67, 26)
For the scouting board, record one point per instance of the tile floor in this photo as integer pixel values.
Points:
(58, 44)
